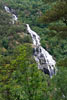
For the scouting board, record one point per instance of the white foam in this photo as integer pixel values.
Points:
(14, 17)
(42, 57)
(7, 9)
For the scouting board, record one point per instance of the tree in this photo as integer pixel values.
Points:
(20, 78)
(57, 12)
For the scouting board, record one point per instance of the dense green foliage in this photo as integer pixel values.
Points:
(21, 80)
(19, 77)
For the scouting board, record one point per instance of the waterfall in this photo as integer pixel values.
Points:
(7, 9)
(44, 60)
(14, 17)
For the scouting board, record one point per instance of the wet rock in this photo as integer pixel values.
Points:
(46, 71)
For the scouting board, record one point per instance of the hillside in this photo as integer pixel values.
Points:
(20, 78)
(11, 35)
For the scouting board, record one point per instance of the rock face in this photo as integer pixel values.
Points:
(44, 60)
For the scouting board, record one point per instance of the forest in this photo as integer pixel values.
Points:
(20, 78)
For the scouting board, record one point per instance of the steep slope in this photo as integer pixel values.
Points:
(19, 77)
(11, 34)
(29, 11)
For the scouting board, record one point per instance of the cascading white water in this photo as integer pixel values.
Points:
(7, 9)
(14, 17)
(44, 60)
